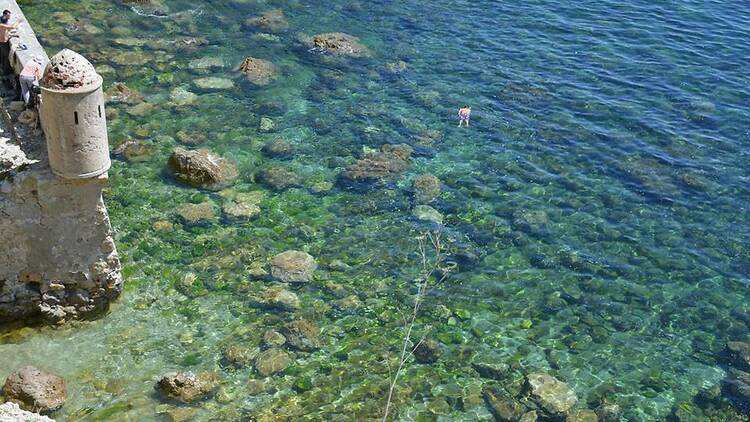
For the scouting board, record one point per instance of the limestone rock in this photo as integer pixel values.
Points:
(428, 351)
(551, 394)
(187, 387)
(339, 43)
(35, 390)
(271, 362)
(258, 71)
(279, 298)
(278, 148)
(293, 267)
(279, 178)
(191, 138)
(426, 188)
(196, 214)
(302, 335)
(390, 163)
(10, 412)
(427, 213)
(271, 21)
(202, 168)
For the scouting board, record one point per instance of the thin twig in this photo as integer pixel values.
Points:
(428, 270)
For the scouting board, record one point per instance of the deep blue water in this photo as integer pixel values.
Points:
(596, 207)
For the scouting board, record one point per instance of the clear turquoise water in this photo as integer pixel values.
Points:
(601, 193)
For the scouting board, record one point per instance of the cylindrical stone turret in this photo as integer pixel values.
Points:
(72, 116)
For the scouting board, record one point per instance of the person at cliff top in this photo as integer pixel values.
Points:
(463, 115)
(29, 77)
(5, 34)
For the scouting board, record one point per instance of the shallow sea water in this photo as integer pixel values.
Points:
(596, 208)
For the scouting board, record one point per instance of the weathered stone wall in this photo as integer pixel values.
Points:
(57, 255)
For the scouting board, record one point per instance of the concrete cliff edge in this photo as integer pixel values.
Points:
(58, 259)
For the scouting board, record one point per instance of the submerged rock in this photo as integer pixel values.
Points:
(302, 335)
(187, 387)
(214, 82)
(258, 71)
(279, 178)
(278, 148)
(428, 351)
(426, 188)
(196, 214)
(293, 267)
(339, 43)
(503, 406)
(551, 394)
(280, 298)
(272, 361)
(270, 21)
(266, 124)
(273, 338)
(135, 151)
(243, 205)
(10, 412)
(608, 412)
(390, 163)
(738, 354)
(238, 356)
(427, 213)
(202, 168)
(182, 97)
(35, 390)
(121, 93)
(141, 109)
(582, 415)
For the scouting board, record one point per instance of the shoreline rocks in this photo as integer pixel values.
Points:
(35, 390)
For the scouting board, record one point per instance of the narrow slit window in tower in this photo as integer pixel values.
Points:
(100, 111)
(75, 114)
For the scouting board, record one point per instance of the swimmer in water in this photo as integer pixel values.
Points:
(463, 115)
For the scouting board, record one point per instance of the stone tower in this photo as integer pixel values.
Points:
(72, 117)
